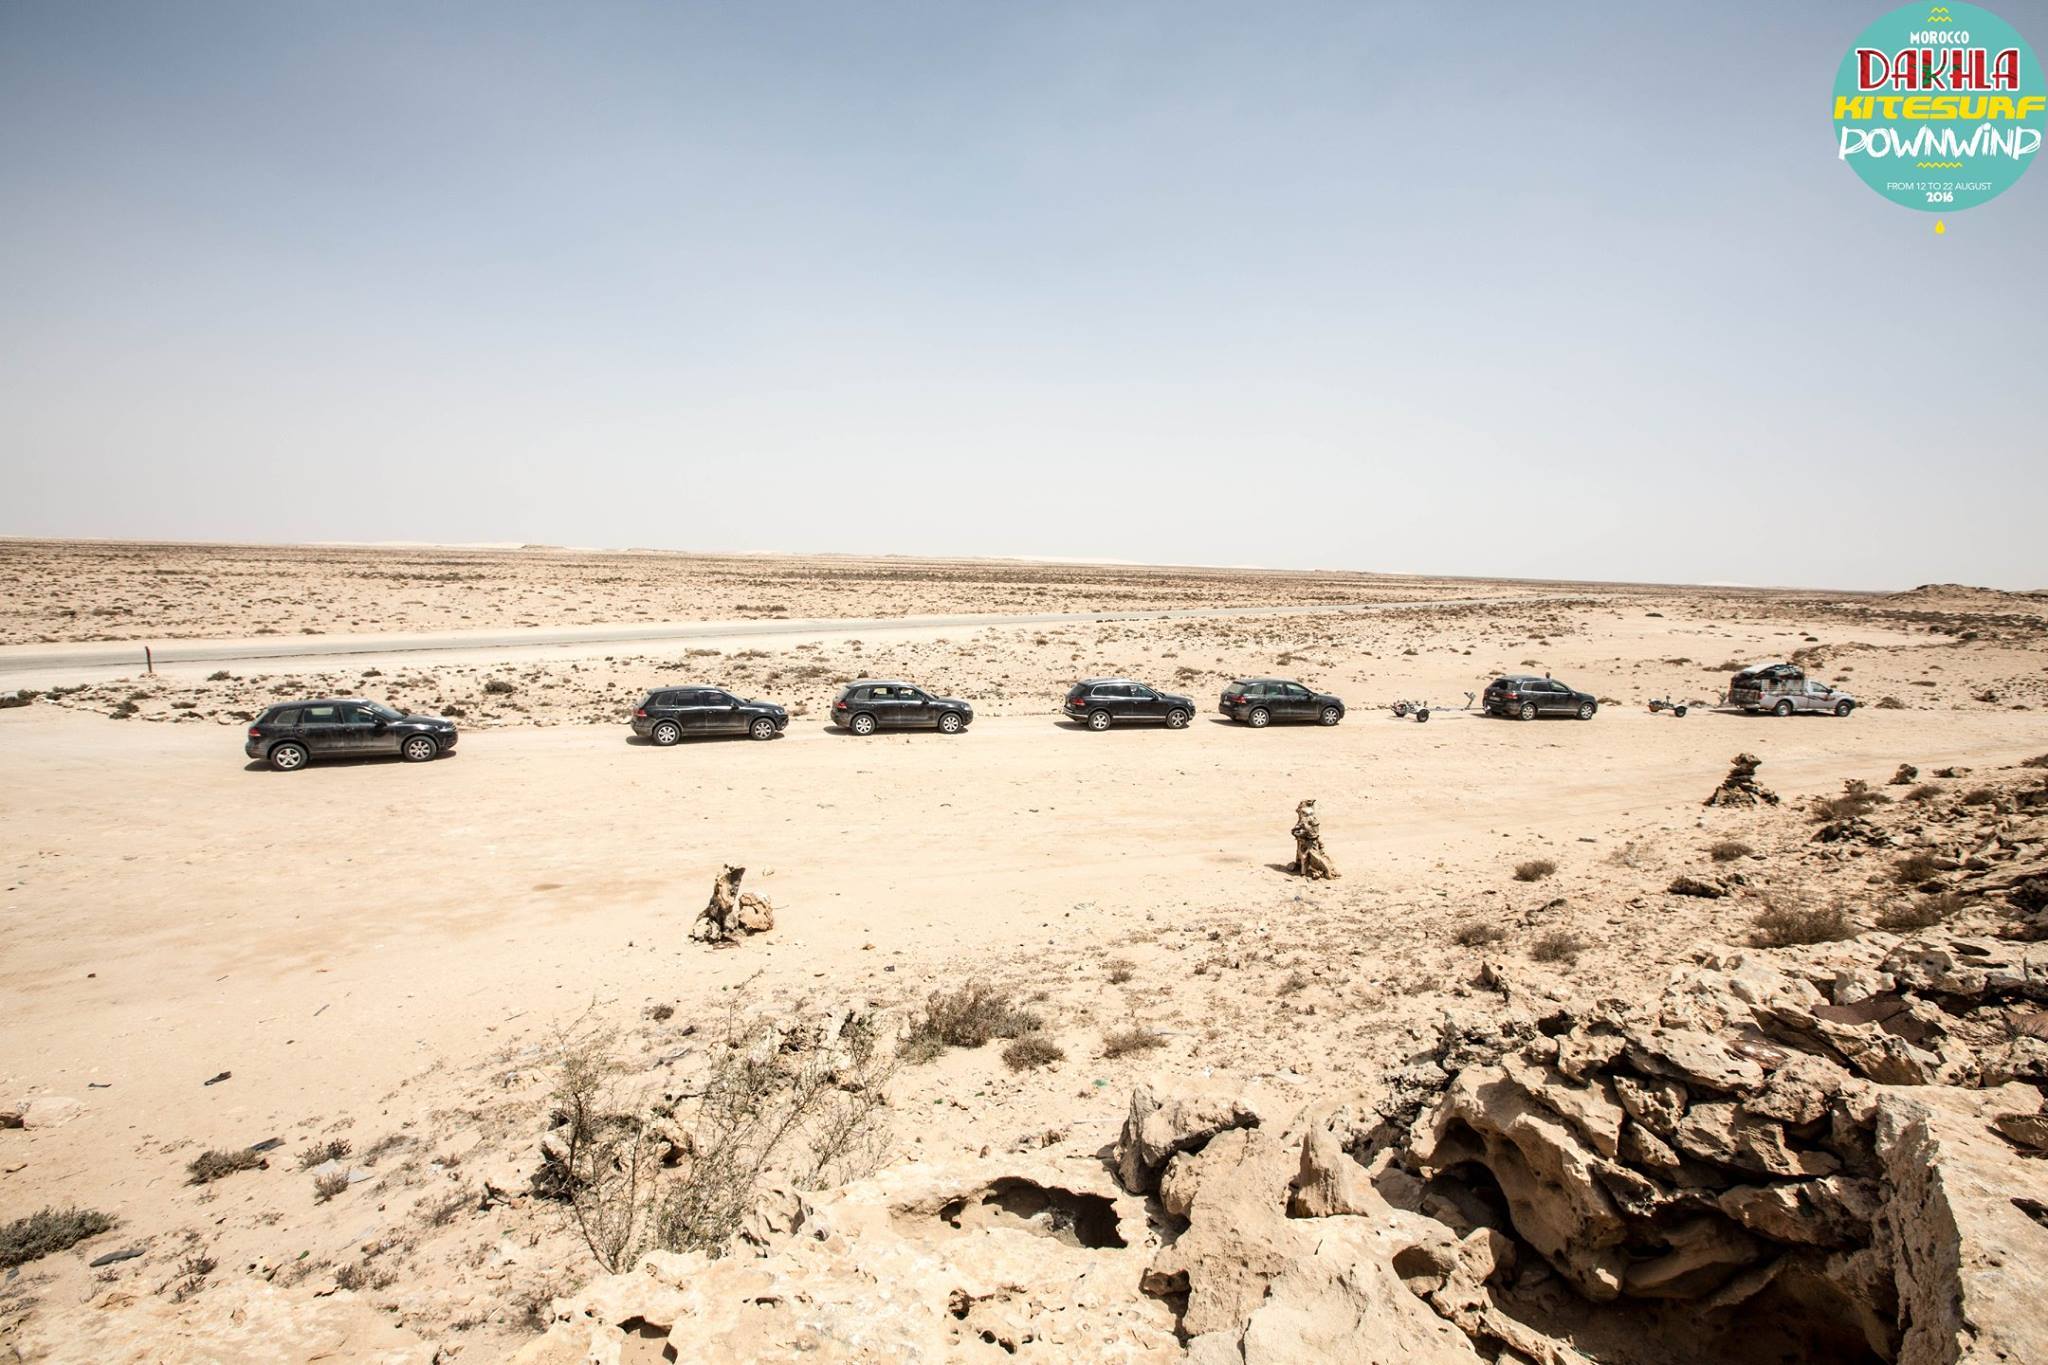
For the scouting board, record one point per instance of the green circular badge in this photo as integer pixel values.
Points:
(1940, 107)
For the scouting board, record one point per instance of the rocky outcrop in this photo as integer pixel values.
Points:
(731, 915)
(1160, 1129)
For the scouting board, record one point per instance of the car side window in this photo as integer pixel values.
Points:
(720, 699)
(1143, 693)
(321, 715)
(1113, 692)
(288, 720)
(1295, 692)
(876, 694)
(909, 694)
(358, 715)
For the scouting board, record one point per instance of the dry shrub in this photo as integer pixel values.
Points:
(1780, 926)
(320, 1153)
(1032, 1050)
(1630, 854)
(325, 1187)
(1923, 913)
(968, 1016)
(218, 1163)
(1136, 1038)
(1915, 868)
(1889, 704)
(1477, 933)
(49, 1230)
(1535, 870)
(1296, 981)
(1121, 969)
(1926, 791)
(1557, 946)
(1729, 850)
(1858, 798)
(1980, 796)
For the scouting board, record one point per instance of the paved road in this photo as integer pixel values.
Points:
(51, 665)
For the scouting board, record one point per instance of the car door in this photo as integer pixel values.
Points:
(1819, 697)
(1144, 704)
(693, 712)
(322, 729)
(1114, 698)
(881, 703)
(1563, 701)
(915, 709)
(1295, 702)
(722, 714)
(363, 733)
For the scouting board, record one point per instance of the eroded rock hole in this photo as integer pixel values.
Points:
(1082, 1220)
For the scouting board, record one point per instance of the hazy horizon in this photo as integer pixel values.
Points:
(1477, 292)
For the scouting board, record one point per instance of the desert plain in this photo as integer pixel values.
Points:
(385, 967)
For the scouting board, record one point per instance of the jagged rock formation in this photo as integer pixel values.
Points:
(731, 915)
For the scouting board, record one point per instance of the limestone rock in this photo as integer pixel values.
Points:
(1184, 1121)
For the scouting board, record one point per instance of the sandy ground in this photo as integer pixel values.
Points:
(389, 951)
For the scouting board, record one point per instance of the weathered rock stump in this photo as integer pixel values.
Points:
(731, 916)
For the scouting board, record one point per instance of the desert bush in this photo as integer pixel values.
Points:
(218, 1163)
(1557, 946)
(1779, 926)
(1137, 1038)
(1889, 703)
(1926, 791)
(49, 1230)
(192, 1273)
(1979, 796)
(1535, 870)
(325, 1187)
(813, 1107)
(1033, 1049)
(1923, 912)
(1477, 933)
(334, 1149)
(968, 1016)
(1121, 969)
(1729, 850)
(1630, 854)
(1915, 868)
(1295, 982)
(1858, 798)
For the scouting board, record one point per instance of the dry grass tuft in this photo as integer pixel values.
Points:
(1557, 946)
(1032, 1050)
(966, 1017)
(1477, 933)
(1903, 917)
(1784, 926)
(1858, 798)
(325, 1187)
(1915, 868)
(1729, 850)
(49, 1230)
(334, 1149)
(1535, 870)
(217, 1164)
(1136, 1038)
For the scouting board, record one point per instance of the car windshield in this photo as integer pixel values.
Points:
(383, 712)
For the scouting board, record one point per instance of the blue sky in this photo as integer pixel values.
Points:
(1571, 290)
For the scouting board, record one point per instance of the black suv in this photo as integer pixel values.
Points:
(671, 714)
(1103, 702)
(870, 705)
(1528, 697)
(289, 734)
(1258, 702)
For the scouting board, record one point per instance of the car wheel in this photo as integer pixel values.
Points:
(1843, 708)
(667, 733)
(1528, 710)
(1678, 711)
(1176, 719)
(1098, 720)
(862, 724)
(1330, 715)
(286, 758)
(1400, 710)
(1421, 717)
(1586, 710)
(1783, 708)
(1259, 718)
(951, 724)
(762, 728)
(418, 749)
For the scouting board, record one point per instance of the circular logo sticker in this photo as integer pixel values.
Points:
(1940, 107)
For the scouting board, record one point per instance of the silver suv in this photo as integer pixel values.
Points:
(1783, 689)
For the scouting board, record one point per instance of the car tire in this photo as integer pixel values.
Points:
(1259, 718)
(1330, 715)
(1586, 710)
(762, 728)
(1098, 720)
(1400, 710)
(1678, 711)
(1176, 719)
(950, 723)
(1843, 708)
(666, 732)
(862, 724)
(288, 757)
(1528, 711)
(1422, 717)
(1783, 708)
(419, 749)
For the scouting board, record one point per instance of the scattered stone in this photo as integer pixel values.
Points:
(1740, 787)
(1694, 886)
